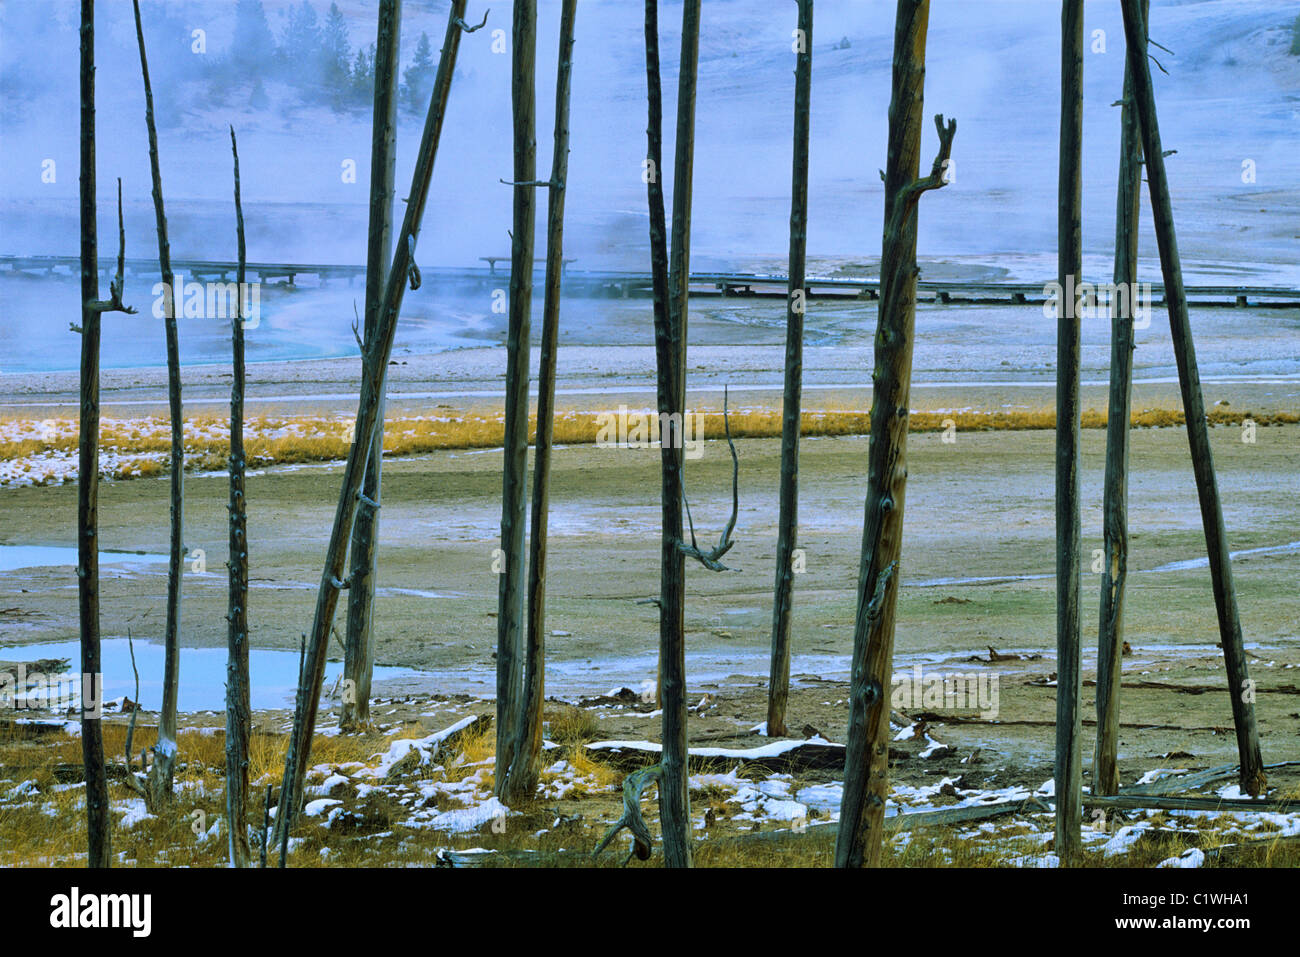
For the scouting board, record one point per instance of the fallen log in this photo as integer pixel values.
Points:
(1200, 689)
(73, 773)
(1229, 855)
(1183, 782)
(781, 756)
(822, 833)
(825, 832)
(43, 666)
(934, 717)
(20, 728)
(1195, 780)
(1145, 802)
(963, 815)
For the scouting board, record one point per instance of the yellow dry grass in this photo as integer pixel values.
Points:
(138, 448)
(47, 828)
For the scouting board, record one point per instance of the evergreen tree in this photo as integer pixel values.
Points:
(1295, 38)
(335, 52)
(253, 47)
(418, 77)
(363, 76)
(301, 44)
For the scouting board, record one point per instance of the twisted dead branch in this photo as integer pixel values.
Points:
(910, 194)
(131, 780)
(710, 559)
(633, 786)
(466, 28)
(114, 301)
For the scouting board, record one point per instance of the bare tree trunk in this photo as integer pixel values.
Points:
(288, 806)
(359, 652)
(1110, 629)
(163, 770)
(788, 521)
(672, 283)
(522, 782)
(1069, 267)
(1241, 688)
(238, 706)
(673, 565)
(674, 794)
(92, 738)
(374, 371)
(514, 485)
(866, 769)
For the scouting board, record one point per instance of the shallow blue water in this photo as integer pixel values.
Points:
(13, 557)
(274, 674)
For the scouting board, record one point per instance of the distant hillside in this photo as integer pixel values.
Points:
(1232, 95)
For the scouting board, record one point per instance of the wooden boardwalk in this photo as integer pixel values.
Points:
(629, 285)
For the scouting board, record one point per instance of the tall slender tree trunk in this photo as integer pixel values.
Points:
(1069, 267)
(524, 771)
(1110, 629)
(374, 371)
(673, 564)
(866, 769)
(92, 739)
(514, 485)
(359, 651)
(674, 796)
(238, 705)
(1241, 688)
(788, 521)
(163, 770)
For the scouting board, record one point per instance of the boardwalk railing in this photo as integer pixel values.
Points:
(624, 285)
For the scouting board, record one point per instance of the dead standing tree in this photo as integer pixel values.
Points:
(162, 772)
(788, 521)
(372, 389)
(238, 705)
(514, 485)
(99, 838)
(1110, 629)
(1241, 688)
(359, 652)
(671, 286)
(1069, 266)
(92, 738)
(524, 769)
(866, 770)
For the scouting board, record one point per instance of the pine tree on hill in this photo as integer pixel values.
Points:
(301, 44)
(253, 47)
(362, 79)
(336, 52)
(418, 77)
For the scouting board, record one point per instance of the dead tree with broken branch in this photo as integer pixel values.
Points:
(1240, 686)
(374, 370)
(778, 684)
(1069, 268)
(526, 762)
(670, 310)
(98, 828)
(866, 771)
(514, 486)
(238, 704)
(163, 769)
(359, 651)
(1114, 572)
